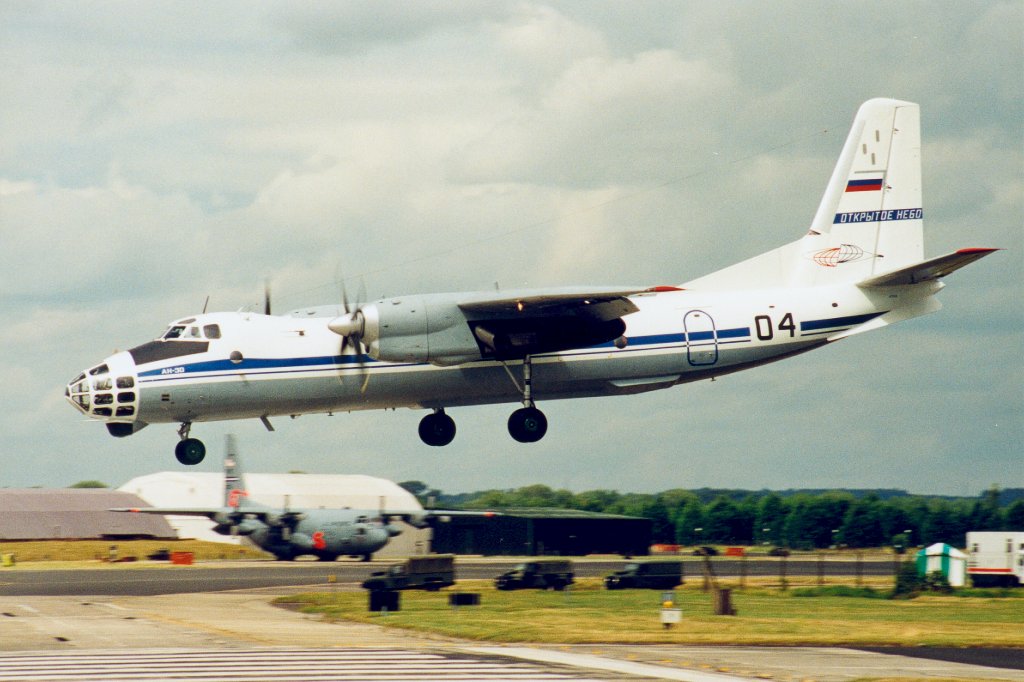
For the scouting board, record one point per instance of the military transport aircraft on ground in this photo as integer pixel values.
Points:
(860, 266)
(290, 533)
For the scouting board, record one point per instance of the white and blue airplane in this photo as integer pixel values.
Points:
(860, 266)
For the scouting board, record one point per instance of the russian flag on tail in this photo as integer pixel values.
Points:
(872, 185)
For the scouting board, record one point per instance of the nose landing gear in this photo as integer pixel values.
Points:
(189, 451)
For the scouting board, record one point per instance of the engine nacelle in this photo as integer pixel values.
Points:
(435, 329)
(419, 329)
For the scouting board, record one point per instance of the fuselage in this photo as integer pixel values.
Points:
(240, 365)
(327, 534)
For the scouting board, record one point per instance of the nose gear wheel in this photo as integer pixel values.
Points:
(189, 451)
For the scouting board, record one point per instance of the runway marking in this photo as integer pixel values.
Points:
(268, 665)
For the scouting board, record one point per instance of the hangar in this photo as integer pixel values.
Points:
(309, 491)
(539, 531)
(75, 514)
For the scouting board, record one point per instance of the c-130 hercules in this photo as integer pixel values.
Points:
(860, 266)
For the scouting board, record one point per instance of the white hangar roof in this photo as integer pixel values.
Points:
(206, 489)
(328, 491)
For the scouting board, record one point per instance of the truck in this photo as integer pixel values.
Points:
(543, 574)
(995, 558)
(652, 575)
(430, 572)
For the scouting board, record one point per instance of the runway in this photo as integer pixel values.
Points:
(154, 579)
(84, 634)
(296, 665)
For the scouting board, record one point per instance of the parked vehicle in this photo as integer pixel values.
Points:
(652, 575)
(431, 573)
(545, 574)
(995, 558)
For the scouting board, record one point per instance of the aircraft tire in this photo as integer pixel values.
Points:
(437, 429)
(190, 451)
(527, 425)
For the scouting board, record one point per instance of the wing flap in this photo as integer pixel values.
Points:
(928, 270)
(598, 304)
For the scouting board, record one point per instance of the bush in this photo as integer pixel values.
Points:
(908, 583)
(937, 582)
(838, 591)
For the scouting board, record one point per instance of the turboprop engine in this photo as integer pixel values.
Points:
(437, 330)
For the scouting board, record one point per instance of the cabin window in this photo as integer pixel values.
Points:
(125, 411)
(212, 331)
(103, 384)
(104, 399)
(126, 397)
(126, 382)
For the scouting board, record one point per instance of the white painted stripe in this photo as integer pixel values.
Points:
(299, 665)
(601, 663)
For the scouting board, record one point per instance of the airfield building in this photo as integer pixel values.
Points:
(75, 514)
(537, 531)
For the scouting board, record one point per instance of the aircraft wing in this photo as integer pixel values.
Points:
(209, 512)
(596, 304)
(422, 519)
(927, 270)
(513, 325)
(268, 516)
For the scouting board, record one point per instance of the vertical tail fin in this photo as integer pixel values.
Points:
(234, 488)
(870, 219)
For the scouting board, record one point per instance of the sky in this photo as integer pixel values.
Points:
(154, 154)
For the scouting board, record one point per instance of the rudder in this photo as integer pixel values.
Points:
(870, 219)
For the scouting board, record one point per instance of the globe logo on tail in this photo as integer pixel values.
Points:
(837, 255)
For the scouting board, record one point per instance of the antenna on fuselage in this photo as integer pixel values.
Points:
(266, 296)
(206, 303)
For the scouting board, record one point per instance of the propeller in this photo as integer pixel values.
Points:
(351, 326)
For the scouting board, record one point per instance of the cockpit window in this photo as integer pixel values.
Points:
(175, 332)
(212, 331)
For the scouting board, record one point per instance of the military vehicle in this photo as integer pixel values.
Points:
(544, 574)
(431, 573)
(652, 575)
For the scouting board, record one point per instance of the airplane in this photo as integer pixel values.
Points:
(290, 533)
(859, 267)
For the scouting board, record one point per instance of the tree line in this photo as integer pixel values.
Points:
(797, 521)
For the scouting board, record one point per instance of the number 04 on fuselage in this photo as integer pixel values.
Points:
(860, 266)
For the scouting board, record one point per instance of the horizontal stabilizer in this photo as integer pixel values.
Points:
(927, 270)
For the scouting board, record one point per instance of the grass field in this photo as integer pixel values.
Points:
(99, 550)
(589, 614)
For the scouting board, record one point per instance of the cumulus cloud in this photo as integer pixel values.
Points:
(154, 155)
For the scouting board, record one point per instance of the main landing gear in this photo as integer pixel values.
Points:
(189, 451)
(526, 425)
(437, 428)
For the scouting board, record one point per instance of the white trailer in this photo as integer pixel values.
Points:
(995, 558)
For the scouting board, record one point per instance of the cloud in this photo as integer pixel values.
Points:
(154, 155)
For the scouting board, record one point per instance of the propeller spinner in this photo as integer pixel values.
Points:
(351, 326)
